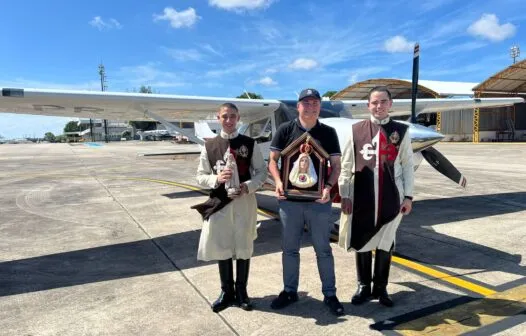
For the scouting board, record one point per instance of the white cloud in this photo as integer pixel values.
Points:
(398, 44)
(148, 74)
(429, 5)
(183, 54)
(358, 74)
(211, 49)
(464, 47)
(303, 64)
(268, 32)
(235, 69)
(267, 81)
(100, 24)
(186, 18)
(240, 5)
(488, 27)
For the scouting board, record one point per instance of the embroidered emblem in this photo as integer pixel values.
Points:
(242, 151)
(394, 137)
(387, 150)
(368, 151)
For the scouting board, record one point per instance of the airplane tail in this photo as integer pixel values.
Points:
(202, 130)
(175, 129)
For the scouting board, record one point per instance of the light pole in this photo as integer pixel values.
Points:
(515, 52)
(102, 74)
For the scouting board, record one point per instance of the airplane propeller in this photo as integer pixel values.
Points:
(432, 155)
(440, 163)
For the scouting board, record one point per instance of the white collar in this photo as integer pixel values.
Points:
(232, 135)
(380, 122)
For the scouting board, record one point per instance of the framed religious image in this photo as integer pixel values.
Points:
(304, 164)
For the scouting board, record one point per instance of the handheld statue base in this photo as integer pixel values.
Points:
(233, 191)
(293, 194)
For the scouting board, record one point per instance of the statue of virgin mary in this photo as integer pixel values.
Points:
(303, 174)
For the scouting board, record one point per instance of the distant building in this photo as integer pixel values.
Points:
(462, 125)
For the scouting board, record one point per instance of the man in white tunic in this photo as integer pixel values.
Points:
(376, 186)
(230, 218)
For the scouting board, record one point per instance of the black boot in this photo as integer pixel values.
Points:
(227, 296)
(363, 269)
(242, 269)
(382, 264)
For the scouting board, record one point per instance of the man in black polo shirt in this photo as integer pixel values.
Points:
(315, 214)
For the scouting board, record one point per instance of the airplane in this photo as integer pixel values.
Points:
(260, 117)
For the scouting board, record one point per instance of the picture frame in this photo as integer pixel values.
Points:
(304, 167)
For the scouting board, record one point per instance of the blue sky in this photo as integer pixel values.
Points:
(223, 47)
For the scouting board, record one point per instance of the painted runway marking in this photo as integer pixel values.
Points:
(469, 316)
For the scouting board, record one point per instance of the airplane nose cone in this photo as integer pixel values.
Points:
(423, 137)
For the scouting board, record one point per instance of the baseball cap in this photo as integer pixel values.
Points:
(309, 93)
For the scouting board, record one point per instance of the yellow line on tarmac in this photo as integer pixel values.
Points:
(444, 276)
(193, 188)
(404, 262)
(470, 316)
(181, 185)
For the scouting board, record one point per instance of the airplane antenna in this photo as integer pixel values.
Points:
(103, 87)
(414, 83)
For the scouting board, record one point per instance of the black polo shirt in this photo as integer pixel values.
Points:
(324, 135)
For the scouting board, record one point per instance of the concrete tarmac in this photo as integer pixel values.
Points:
(101, 240)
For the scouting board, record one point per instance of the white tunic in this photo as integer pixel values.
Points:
(230, 232)
(404, 179)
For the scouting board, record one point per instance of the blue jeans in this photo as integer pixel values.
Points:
(294, 216)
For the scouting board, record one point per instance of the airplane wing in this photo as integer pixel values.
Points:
(402, 107)
(135, 106)
(127, 106)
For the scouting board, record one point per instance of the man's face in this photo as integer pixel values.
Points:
(309, 108)
(379, 105)
(228, 118)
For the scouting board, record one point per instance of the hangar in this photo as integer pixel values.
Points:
(496, 124)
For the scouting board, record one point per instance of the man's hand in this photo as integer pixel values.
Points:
(243, 189)
(347, 206)
(224, 175)
(280, 194)
(406, 206)
(325, 196)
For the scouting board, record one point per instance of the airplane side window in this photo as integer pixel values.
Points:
(260, 130)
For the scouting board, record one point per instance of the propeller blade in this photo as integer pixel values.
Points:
(440, 163)
(414, 82)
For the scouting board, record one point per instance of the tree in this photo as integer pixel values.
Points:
(145, 89)
(330, 93)
(49, 137)
(72, 126)
(251, 95)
